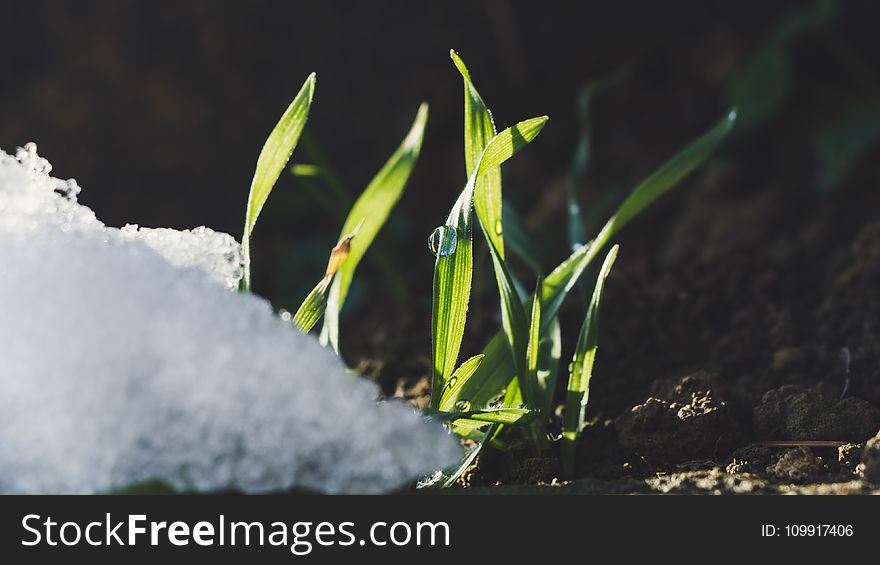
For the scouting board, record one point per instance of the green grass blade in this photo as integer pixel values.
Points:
(453, 270)
(464, 372)
(497, 368)
(466, 369)
(273, 158)
(452, 288)
(368, 215)
(506, 416)
(487, 381)
(667, 176)
(479, 129)
(312, 308)
(582, 369)
(529, 385)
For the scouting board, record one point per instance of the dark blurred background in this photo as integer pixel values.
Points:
(159, 109)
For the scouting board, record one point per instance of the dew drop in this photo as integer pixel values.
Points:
(497, 227)
(463, 405)
(442, 241)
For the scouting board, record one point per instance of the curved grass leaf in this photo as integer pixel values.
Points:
(487, 381)
(368, 215)
(666, 177)
(529, 384)
(498, 369)
(479, 129)
(506, 416)
(466, 369)
(274, 156)
(582, 369)
(453, 271)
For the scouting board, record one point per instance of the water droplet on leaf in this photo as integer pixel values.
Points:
(462, 405)
(497, 227)
(442, 241)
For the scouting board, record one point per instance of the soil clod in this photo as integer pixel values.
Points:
(684, 419)
(869, 468)
(790, 412)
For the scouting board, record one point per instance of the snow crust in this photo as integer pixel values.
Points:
(125, 358)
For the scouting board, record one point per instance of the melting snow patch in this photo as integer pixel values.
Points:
(124, 358)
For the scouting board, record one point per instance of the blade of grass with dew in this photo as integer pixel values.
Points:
(513, 316)
(479, 129)
(274, 156)
(497, 368)
(578, 390)
(464, 371)
(368, 215)
(506, 416)
(516, 335)
(453, 269)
